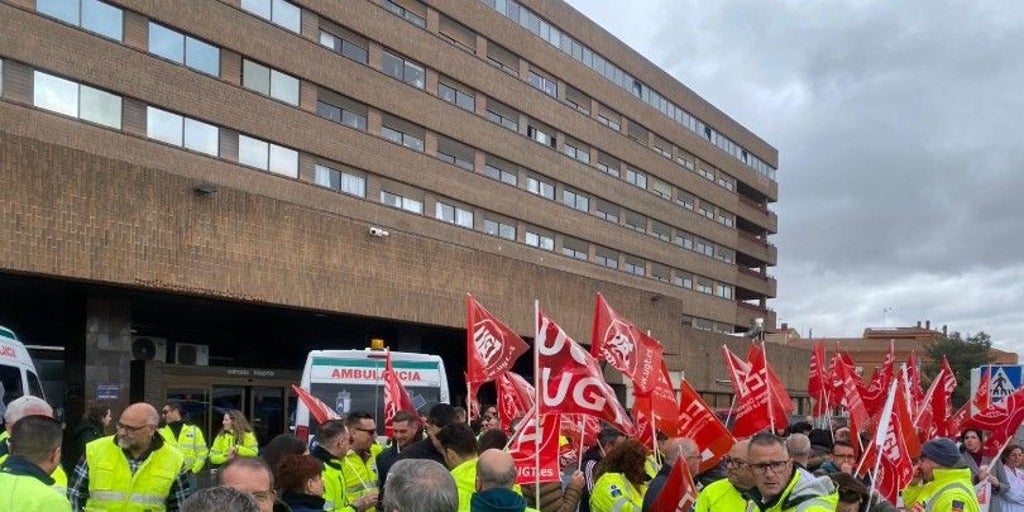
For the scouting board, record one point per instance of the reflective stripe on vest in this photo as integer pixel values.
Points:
(814, 502)
(944, 488)
(619, 504)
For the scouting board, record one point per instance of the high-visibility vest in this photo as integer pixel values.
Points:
(720, 496)
(465, 481)
(223, 443)
(113, 487)
(360, 476)
(60, 478)
(191, 443)
(25, 493)
(335, 498)
(614, 493)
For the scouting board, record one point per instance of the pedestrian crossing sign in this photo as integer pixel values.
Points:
(1004, 380)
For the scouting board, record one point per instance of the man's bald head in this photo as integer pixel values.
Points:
(691, 453)
(737, 469)
(799, 448)
(27, 405)
(671, 449)
(141, 413)
(739, 450)
(495, 468)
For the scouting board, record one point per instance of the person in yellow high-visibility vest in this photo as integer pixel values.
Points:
(22, 407)
(360, 474)
(621, 481)
(25, 482)
(727, 493)
(460, 453)
(332, 445)
(234, 440)
(133, 470)
(187, 437)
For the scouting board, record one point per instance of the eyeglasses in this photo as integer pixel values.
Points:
(367, 430)
(265, 495)
(775, 466)
(733, 463)
(844, 456)
(130, 429)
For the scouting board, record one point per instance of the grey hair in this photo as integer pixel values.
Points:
(420, 485)
(798, 445)
(489, 477)
(688, 448)
(27, 405)
(220, 499)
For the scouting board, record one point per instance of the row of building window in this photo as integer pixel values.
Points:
(593, 60)
(94, 105)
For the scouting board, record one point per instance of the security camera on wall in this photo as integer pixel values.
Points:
(379, 232)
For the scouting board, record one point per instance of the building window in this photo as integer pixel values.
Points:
(404, 70)
(683, 239)
(455, 153)
(182, 131)
(704, 286)
(636, 177)
(540, 187)
(454, 215)
(92, 15)
(576, 200)
(502, 59)
(344, 46)
(685, 160)
(72, 99)
(544, 84)
(706, 248)
(401, 202)
(636, 222)
(608, 164)
(540, 241)
(723, 290)
(345, 182)
(726, 219)
(268, 157)
(456, 33)
(544, 136)
(577, 153)
(727, 182)
(726, 255)
(606, 258)
(574, 248)
(278, 12)
(661, 231)
(341, 115)
(638, 133)
(635, 266)
(685, 200)
(577, 100)
(500, 114)
(664, 190)
(706, 173)
(404, 13)
(501, 229)
(406, 139)
(182, 49)
(500, 174)
(706, 210)
(660, 272)
(609, 122)
(458, 97)
(271, 82)
(607, 211)
(683, 280)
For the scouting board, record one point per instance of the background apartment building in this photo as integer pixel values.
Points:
(250, 179)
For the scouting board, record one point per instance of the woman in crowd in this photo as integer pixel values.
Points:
(93, 426)
(301, 480)
(1012, 497)
(621, 479)
(234, 440)
(281, 446)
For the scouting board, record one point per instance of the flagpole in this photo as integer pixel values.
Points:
(654, 436)
(536, 407)
(880, 436)
(768, 382)
(583, 433)
(469, 406)
(732, 404)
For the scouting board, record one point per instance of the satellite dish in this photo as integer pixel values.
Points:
(143, 349)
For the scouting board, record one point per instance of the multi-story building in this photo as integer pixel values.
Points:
(262, 177)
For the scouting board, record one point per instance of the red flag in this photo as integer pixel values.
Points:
(759, 405)
(738, 370)
(572, 424)
(491, 347)
(756, 357)
(571, 382)
(914, 374)
(852, 400)
(626, 348)
(954, 426)
(528, 441)
(321, 411)
(982, 398)
(818, 384)
(396, 398)
(935, 406)
(662, 401)
(697, 421)
(679, 493)
(1001, 420)
(894, 445)
(515, 398)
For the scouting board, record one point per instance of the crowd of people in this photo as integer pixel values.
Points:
(443, 463)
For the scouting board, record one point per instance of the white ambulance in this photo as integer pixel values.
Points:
(353, 380)
(18, 375)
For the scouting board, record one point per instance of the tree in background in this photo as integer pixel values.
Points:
(963, 354)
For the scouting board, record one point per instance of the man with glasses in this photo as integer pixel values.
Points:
(727, 494)
(133, 469)
(781, 487)
(187, 437)
(360, 477)
(332, 446)
(252, 476)
(842, 460)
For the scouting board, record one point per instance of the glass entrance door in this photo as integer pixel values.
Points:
(226, 398)
(195, 406)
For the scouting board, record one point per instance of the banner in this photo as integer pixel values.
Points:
(491, 347)
(571, 382)
(626, 348)
(320, 411)
(662, 402)
(515, 398)
(396, 398)
(1001, 420)
(679, 493)
(819, 385)
(528, 441)
(888, 456)
(698, 422)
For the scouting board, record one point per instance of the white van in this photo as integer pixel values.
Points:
(17, 373)
(353, 380)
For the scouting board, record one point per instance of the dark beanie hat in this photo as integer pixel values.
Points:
(942, 451)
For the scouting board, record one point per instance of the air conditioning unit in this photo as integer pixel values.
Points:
(149, 348)
(191, 354)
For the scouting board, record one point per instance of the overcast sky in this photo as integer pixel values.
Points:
(898, 126)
